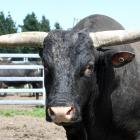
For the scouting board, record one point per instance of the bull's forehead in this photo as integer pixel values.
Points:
(61, 52)
(63, 47)
(68, 48)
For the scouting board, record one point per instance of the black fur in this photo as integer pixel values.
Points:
(107, 101)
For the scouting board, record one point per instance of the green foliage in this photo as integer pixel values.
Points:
(35, 112)
(11, 28)
(30, 23)
(57, 26)
(44, 24)
(7, 25)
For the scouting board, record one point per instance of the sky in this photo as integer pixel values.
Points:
(69, 12)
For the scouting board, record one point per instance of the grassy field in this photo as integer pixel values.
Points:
(35, 112)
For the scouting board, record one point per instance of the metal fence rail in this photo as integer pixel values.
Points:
(30, 79)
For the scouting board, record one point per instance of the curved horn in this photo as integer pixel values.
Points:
(23, 38)
(115, 37)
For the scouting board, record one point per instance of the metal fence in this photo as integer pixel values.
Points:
(16, 66)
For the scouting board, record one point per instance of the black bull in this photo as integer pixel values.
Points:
(92, 85)
(100, 94)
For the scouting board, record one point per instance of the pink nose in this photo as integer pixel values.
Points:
(61, 114)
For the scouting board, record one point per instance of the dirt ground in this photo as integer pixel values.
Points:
(27, 127)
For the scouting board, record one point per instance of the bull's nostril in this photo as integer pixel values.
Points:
(70, 111)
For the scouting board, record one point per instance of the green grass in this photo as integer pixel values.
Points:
(35, 112)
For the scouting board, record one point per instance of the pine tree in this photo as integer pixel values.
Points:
(30, 23)
(44, 24)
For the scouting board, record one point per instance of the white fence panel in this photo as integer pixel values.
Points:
(17, 66)
(21, 90)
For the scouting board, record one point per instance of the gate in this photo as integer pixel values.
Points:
(24, 66)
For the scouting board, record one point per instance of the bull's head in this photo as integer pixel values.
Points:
(69, 60)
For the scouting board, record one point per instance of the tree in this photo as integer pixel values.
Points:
(44, 24)
(57, 26)
(10, 24)
(7, 25)
(30, 23)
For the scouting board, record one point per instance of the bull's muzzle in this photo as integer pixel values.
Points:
(61, 114)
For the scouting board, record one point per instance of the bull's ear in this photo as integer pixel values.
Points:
(122, 58)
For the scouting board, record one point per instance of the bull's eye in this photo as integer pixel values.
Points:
(87, 71)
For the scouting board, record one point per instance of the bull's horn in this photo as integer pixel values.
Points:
(23, 38)
(115, 37)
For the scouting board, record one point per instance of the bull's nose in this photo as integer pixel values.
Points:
(61, 114)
